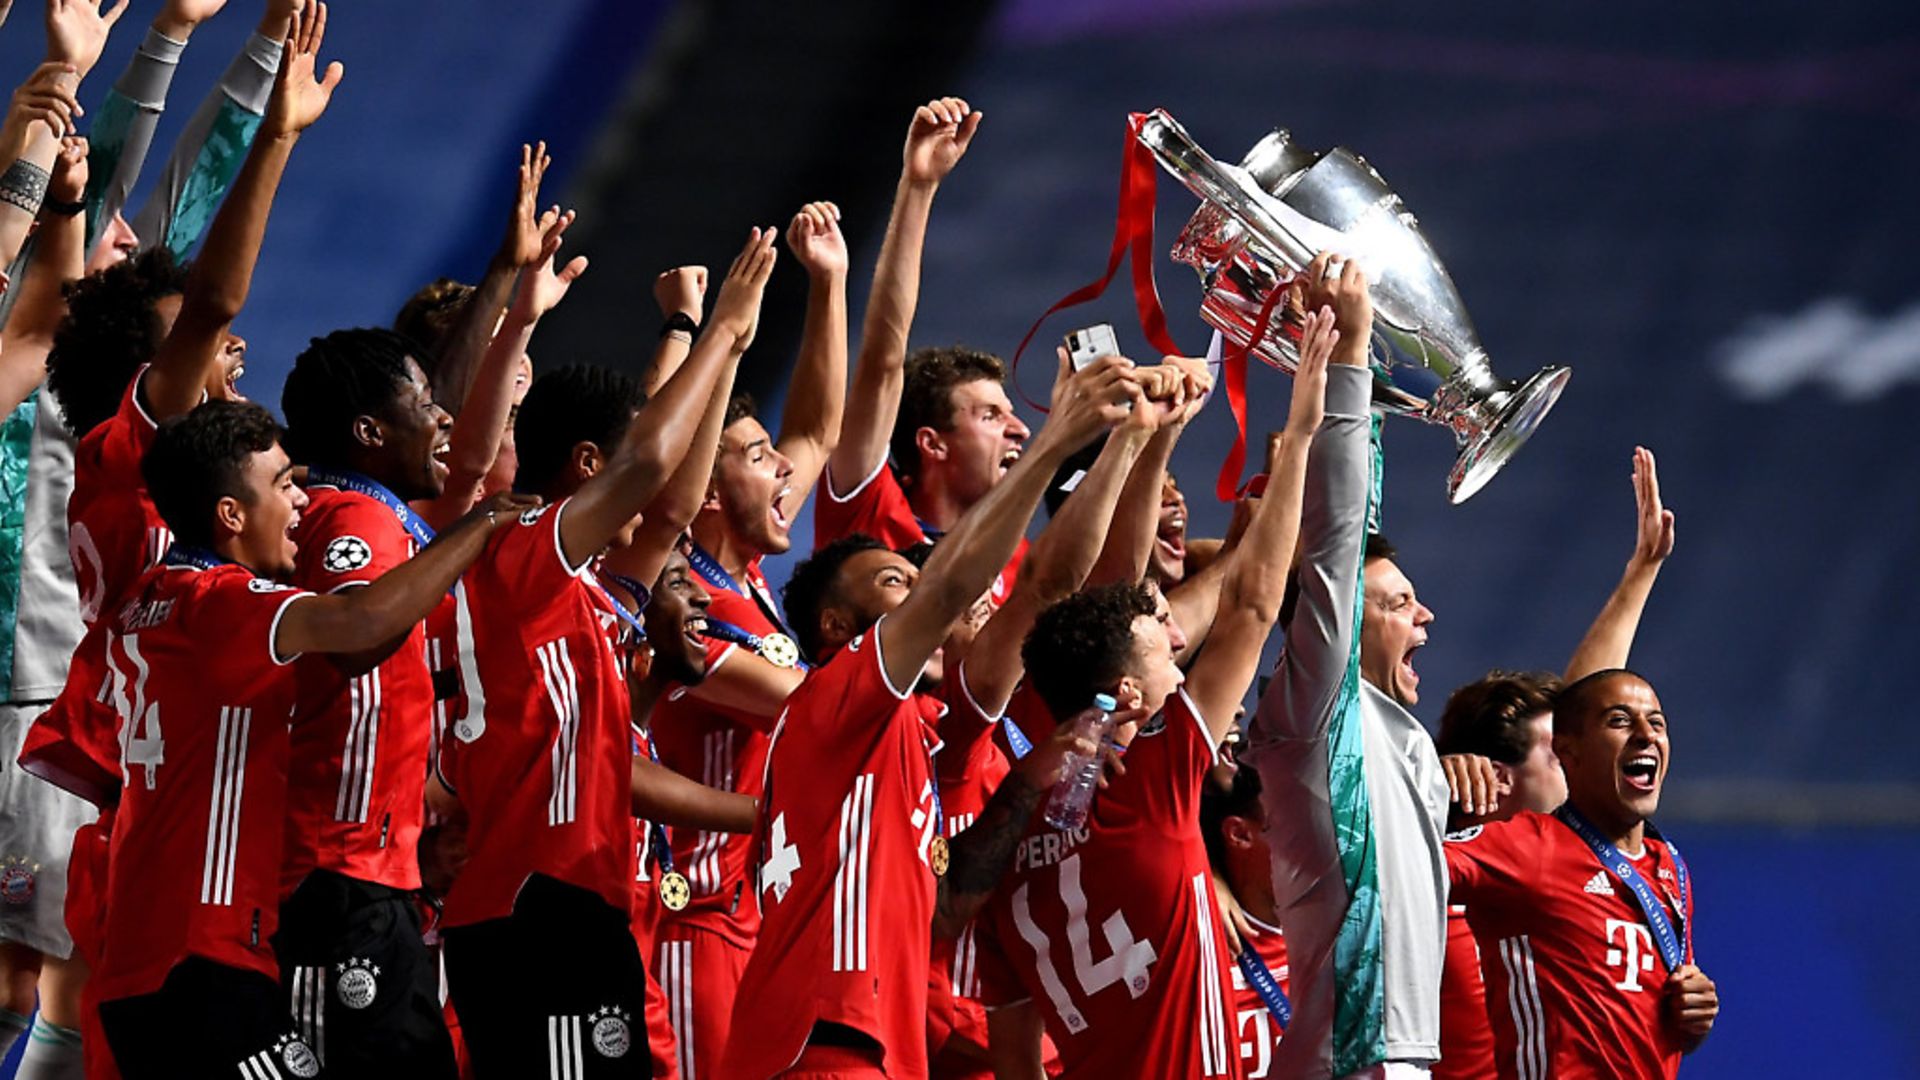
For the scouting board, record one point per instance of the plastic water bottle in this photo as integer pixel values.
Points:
(1073, 795)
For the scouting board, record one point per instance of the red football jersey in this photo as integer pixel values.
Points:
(1112, 928)
(645, 921)
(1466, 1034)
(970, 766)
(726, 749)
(114, 535)
(1573, 979)
(542, 761)
(194, 866)
(1257, 1031)
(879, 508)
(355, 800)
(845, 888)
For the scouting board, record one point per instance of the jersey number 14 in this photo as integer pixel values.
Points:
(1126, 962)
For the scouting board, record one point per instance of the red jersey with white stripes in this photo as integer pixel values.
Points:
(645, 921)
(1255, 1028)
(879, 508)
(845, 888)
(359, 766)
(1573, 978)
(542, 761)
(195, 861)
(726, 749)
(1466, 1034)
(1112, 930)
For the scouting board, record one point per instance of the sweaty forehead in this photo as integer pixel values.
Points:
(743, 433)
(1624, 690)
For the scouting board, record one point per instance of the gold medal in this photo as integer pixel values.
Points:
(674, 890)
(779, 650)
(939, 856)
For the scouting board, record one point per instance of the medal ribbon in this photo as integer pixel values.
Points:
(1675, 948)
(199, 558)
(1017, 740)
(415, 525)
(722, 630)
(1264, 984)
(632, 620)
(716, 575)
(662, 851)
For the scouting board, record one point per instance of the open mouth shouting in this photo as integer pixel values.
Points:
(777, 511)
(1171, 541)
(695, 630)
(1640, 771)
(442, 452)
(1009, 460)
(1408, 676)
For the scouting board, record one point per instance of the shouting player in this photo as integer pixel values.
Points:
(1589, 911)
(205, 745)
(1138, 868)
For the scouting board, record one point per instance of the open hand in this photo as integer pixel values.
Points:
(298, 98)
(77, 31)
(541, 286)
(736, 311)
(814, 237)
(1654, 541)
(1309, 405)
(505, 508)
(527, 227)
(942, 130)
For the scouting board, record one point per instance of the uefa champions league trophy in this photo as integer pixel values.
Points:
(1262, 221)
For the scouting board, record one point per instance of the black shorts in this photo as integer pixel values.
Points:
(361, 985)
(207, 1019)
(556, 990)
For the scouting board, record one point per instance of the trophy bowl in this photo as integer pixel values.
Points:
(1261, 222)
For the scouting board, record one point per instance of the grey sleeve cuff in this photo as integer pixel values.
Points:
(151, 71)
(1349, 390)
(249, 79)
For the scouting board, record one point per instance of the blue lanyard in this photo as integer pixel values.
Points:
(199, 558)
(721, 630)
(662, 851)
(1672, 950)
(1264, 984)
(716, 575)
(373, 489)
(632, 620)
(1017, 740)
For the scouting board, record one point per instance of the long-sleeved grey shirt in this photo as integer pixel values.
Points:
(1354, 794)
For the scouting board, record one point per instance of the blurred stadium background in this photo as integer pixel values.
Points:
(1705, 210)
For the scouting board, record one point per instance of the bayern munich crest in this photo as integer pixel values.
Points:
(19, 880)
(347, 553)
(612, 1035)
(357, 984)
(297, 1056)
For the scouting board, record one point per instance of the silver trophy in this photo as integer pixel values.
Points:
(1263, 220)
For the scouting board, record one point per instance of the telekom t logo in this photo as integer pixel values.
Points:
(1634, 955)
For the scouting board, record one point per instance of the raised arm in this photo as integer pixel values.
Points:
(1256, 576)
(59, 257)
(936, 141)
(1333, 525)
(679, 291)
(965, 561)
(1136, 520)
(532, 245)
(221, 277)
(42, 110)
(663, 430)
(1610, 638)
(1060, 560)
(362, 619)
(816, 395)
(201, 167)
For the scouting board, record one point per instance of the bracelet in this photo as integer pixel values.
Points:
(682, 322)
(64, 209)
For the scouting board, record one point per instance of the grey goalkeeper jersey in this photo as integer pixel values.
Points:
(1396, 937)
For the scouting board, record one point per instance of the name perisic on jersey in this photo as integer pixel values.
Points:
(1048, 848)
(137, 616)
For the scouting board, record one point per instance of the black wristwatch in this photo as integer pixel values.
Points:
(680, 320)
(64, 209)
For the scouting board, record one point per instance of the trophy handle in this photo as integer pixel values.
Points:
(1269, 222)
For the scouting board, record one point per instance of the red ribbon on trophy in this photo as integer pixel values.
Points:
(1133, 235)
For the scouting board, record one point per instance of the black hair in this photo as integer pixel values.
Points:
(1080, 646)
(1377, 547)
(109, 331)
(429, 315)
(917, 554)
(338, 379)
(1239, 798)
(926, 398)
(1580, 696)
(1491, 716)
(814, 587)
(200, 458)
(740, 406)
(564, 408)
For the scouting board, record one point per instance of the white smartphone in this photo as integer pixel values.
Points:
(1088, 344)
